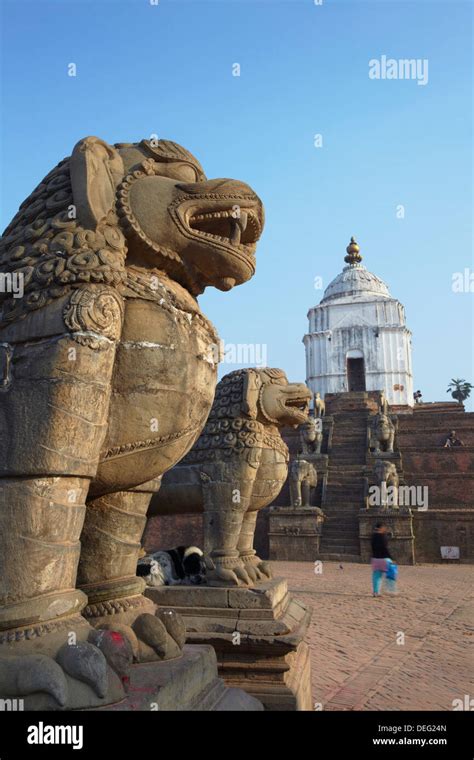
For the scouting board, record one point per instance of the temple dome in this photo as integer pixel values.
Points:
(357, 337)
(357, 283)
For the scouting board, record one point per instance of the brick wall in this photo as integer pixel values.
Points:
(448, 474)
(169, 531)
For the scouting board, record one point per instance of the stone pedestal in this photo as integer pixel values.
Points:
(258, 634)
(189, 682)
(294, 533)
(400, 531)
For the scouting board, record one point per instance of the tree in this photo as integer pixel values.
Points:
(459, 389)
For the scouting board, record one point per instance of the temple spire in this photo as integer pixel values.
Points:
(353, 255)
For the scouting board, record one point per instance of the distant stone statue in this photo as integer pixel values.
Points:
(310, 437)
(237, 466)
(381, 434)
(319, 405)
(303, 477)
(383, 403)
(452, 440)
(109, 385)
(387, 480)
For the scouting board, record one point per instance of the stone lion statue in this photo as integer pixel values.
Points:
(386, 476)
(302, 478)
(107, 377)
(238, 465)
(311, 436)
(319, 405)
(381, 434)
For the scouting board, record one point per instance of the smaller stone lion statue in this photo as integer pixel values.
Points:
(381, 434)
(302, 478)
(387, 481)
(237, 466)
(319, 405)
(311, 437)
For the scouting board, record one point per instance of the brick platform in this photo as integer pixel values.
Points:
(356, 662)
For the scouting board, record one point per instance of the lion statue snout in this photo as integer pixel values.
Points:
(270, 398)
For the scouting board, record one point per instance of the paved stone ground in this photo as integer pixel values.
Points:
(356, 661)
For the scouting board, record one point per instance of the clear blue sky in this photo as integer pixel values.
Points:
(167, 69)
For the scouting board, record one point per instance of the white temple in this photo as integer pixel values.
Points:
(357, 337)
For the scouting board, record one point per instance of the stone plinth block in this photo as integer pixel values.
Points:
(189, 682)
(258, 634)
(295, 533)
(400, 526)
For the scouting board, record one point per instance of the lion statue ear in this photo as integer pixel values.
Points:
(96, 169)
(251, 389)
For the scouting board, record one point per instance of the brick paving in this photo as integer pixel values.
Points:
(356, 659)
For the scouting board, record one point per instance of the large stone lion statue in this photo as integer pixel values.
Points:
(238, 465)
(107, 376)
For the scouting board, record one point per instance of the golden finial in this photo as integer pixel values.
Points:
(353, 255)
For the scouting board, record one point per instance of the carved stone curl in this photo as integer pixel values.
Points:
(93, 313)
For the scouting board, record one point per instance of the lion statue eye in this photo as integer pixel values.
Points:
(178, 170)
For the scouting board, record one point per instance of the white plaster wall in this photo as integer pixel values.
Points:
(377, 328)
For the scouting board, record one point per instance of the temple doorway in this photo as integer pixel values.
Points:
(355, 375)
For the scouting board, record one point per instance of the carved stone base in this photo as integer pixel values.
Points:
(188, 683)
(258, 634)
(35, 668)
(400, 527)
(281, 683)
(294, 533)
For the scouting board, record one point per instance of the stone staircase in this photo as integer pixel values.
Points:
(344, 493)
(448, 475)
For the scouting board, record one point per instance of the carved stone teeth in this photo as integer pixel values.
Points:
(244, 217)
(253, 222)
(235, 232)
(237, 226)
(210, 215)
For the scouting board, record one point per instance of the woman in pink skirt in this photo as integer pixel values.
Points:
(381, 558)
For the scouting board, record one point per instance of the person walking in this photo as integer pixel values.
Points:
(382, 562)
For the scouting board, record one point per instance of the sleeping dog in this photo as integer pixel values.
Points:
(183, 565)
